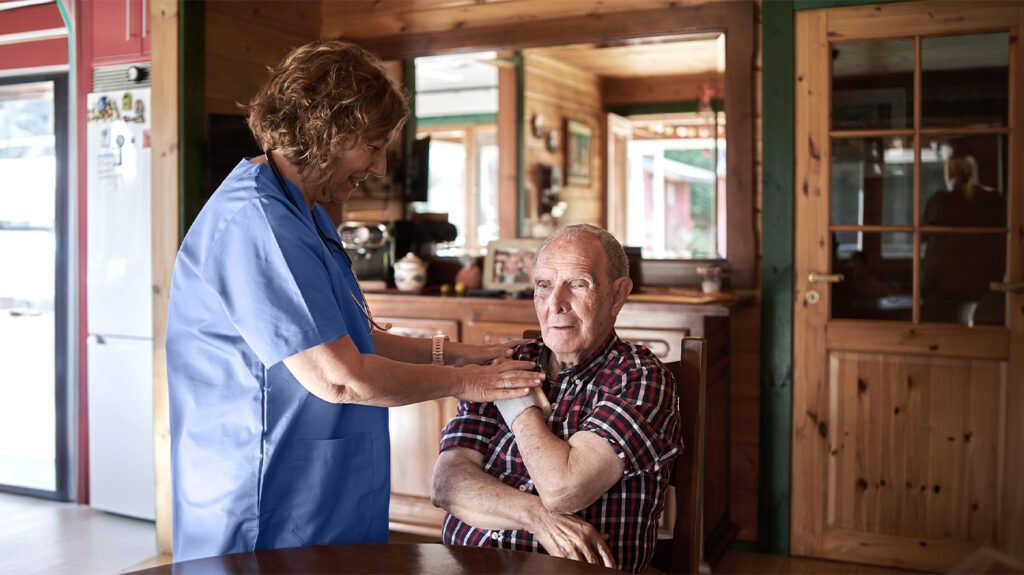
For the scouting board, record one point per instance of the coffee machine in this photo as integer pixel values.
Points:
(371, 247)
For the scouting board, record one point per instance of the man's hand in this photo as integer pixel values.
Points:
(501, 380)
(571, 537)
(459, 354)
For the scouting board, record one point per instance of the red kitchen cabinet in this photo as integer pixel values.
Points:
(120, 29)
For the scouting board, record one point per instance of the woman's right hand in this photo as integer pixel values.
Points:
(503, 379)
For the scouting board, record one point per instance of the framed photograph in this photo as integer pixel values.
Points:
(577, 153)
(509, 264)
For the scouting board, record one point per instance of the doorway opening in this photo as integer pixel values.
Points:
(34, 398)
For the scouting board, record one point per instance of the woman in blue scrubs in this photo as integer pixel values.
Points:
(279, 378)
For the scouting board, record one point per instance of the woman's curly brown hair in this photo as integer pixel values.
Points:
(321, 97)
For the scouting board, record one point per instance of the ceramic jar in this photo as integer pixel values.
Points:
(711, 286)
(410, 273)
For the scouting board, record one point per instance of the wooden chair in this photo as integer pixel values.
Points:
(681, 551)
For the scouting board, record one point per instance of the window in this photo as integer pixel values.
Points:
(463, 183)
(456, 106)
(676, 186)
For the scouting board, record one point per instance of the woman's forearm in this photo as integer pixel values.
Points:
(337, 372)
(402, 348)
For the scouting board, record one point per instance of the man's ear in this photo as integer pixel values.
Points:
(620, 291)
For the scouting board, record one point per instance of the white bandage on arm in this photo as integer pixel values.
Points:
(511, 408)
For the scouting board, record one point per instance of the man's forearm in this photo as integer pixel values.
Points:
(465, 490)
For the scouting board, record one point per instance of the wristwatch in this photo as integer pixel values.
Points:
(437, 349)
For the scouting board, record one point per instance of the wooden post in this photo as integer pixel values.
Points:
(165, 140)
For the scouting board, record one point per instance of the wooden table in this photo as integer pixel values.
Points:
(382, 558)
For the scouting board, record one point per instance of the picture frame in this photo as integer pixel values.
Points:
(578, 136)
(508, 265)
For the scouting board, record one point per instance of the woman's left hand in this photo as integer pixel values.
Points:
(459, 354)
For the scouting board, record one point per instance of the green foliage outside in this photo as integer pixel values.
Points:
(702, 242)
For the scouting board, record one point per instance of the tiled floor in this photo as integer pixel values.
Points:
(46, 537)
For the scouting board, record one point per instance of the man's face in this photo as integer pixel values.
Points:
(576, 301)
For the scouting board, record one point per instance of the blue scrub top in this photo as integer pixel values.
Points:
(256, 460)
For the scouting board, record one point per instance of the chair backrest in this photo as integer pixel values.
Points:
(682, 553)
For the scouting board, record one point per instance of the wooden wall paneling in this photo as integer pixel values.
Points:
(1011, 514)
(243, 39)
(559, 92)
(744, 429)
(369, 19)
(625, 19)
(890, 20)
(810, 430)
(165, 141)
(508, 145)
(739, 109)
(651, 89)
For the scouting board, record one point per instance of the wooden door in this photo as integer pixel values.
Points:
(908, 400)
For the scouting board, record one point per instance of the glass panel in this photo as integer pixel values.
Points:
(963, 181)
(676, 189)
(487, 173)
(956, 270)
(456, 85)
(873, 181)
(965, 80)
(873, 85)
(878, 270)
(28, 169)
(446, 181)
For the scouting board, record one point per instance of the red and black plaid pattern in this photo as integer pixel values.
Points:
(623, 394)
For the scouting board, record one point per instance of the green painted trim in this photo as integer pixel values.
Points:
(464, 119)
(192, 190)
(517, 59)
(686, 106)
(776, 277)
(818, 4)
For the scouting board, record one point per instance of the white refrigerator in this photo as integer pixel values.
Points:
(119, 304)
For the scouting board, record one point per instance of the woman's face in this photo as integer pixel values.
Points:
(356, 163)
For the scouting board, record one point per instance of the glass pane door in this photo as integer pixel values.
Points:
(919, 169)
(30, 161)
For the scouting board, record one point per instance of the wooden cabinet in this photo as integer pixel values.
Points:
(120, 29)
(495, 332)
(416, 429)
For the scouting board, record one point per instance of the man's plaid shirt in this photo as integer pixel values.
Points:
(621, 393)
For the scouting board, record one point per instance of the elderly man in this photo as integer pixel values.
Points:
(588, 481)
